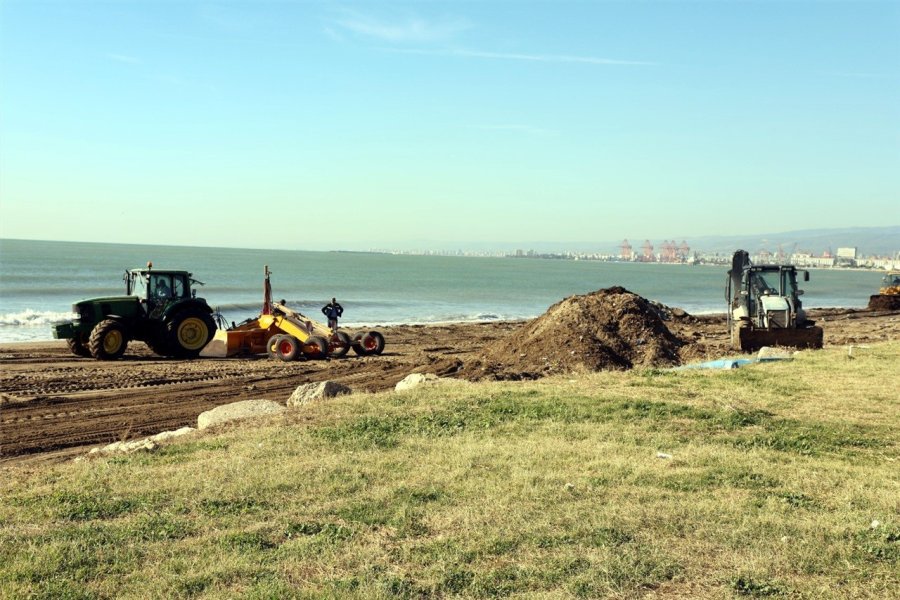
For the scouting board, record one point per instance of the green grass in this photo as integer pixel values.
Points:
(783, 482)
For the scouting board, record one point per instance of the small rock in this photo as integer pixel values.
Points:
(146, 445)
(663, 455)
(309, 392)
(414, 380)
(770, 353)
(875, 523)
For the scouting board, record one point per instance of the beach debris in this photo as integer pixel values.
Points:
(721, 363)
(774, 355)
(309, 392)
(609, 329)
(235, 411)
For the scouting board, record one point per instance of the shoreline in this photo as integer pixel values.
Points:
(357, 325)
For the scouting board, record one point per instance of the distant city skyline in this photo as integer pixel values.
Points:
(324, 126)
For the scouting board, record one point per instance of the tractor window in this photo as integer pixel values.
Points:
(789, 283)
(759, 284)
(138, 285)
(161, 286)
(180, 289)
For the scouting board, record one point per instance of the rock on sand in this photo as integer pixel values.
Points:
(238, 410)
(309, 392)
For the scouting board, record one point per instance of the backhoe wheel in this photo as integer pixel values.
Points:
(108, 340)
(339, 344)
(188, 332)
(315, 347)
(372, 342)
(288, 348)
(77, 347)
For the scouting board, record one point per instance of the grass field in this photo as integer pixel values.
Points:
(783, 481)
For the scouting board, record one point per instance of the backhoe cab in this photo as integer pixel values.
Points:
(764, 307)
(159, 308)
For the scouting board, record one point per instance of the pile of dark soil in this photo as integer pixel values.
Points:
(607, 329)
(884, 302)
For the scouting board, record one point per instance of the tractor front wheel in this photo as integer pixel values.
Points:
(77, 347)
(188, 333)
(108, 340)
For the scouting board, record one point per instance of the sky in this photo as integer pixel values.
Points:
(342, 125)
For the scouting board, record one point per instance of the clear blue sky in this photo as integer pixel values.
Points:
(324, 125)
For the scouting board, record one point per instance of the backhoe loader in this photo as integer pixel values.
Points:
(764, 307)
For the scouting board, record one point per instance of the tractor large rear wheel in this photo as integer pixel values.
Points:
(188, 332)
(108, 340)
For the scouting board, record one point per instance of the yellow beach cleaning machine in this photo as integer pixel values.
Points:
(287, 334)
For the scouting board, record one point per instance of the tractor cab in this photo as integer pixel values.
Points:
(155, 290)
(147, 285)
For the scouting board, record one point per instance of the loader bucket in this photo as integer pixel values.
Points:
(246, 339)
(754, 339)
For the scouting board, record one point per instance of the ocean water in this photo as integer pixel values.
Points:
(39, 282)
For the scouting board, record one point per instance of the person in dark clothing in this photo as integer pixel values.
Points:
(333, 311)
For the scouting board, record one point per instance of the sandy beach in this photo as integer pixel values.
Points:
(54, 405)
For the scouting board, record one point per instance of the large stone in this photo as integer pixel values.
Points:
(167, 435)
(310, 392)
(414, 380)
(769, 353)
(145, 445)
(236, 411)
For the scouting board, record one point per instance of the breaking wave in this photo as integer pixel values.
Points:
(34, 318)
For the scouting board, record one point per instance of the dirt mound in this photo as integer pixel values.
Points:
(607, 329)
(884, 302)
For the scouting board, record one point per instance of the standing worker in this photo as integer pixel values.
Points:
(333, 311)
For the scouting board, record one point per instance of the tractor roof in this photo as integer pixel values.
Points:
(146, 271)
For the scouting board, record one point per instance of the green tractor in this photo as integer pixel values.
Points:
(159, 308)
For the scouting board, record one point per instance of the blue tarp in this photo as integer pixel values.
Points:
(731, 363)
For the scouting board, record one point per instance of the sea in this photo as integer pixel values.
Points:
(40, 280)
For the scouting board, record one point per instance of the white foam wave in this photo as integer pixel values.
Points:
(34, 318)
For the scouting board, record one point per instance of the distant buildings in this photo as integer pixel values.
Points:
(669, 252)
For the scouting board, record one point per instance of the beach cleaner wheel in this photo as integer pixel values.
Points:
(315, 347)
(288, 348)
(339, 344)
